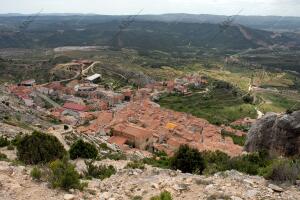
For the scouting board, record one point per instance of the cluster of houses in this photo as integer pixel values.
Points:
(182, 85)
(127, 118)
(144, 125)
(74, 103)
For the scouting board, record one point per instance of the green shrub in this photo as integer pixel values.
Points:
(63, 175)
(137, 198)
(160, 159)
(243, 165)
(39, 148)
(36, 173)
(241, 127)
(104, 146)
(188, 160)
(163, 196)
(81, 149)
(238, 140)
(10, 147)
(114, 156)
(3, 156)
(16, 162)
(248, 98)
(135, 165)
(250, 163)
(215, 161)
(100, 171)
(16, 140)
(282, 170)
(4, 141)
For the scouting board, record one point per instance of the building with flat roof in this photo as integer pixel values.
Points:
(93, 78)
(28, 83)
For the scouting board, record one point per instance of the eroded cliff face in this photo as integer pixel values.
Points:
(278, 134)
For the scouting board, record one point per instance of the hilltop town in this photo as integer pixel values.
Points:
(128, 118)
(149, 107)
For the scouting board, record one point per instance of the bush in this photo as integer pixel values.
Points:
(282, 170)
(241, 127)
(188, 160)
(10, 147)
(4, 142)
(81, 149)
(163, 196)
(100, 171)
(3, 156)
(248, 99)
(39, 148)
(137, 198)
(135, 165)
(63, 175)
(104, 146)
(16, 140)
(250, 163)
(215, 161)
(114, 156)
(36, 173)
(160, 160)
(238, 140)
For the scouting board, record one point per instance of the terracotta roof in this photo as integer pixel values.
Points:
(117, 140)
(55, 86)
(75, 106)
(132, 130)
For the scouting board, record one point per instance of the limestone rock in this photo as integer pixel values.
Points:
(275, 188)
(279, 134)
(69, 197)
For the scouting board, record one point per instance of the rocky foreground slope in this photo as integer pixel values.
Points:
(279, 134)
(16, 183)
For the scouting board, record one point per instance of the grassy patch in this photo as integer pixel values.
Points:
(219, 106)
(36, 173)
(165, 195)
(135, 165)
(239, 140)
(277, 102)
(159, 159)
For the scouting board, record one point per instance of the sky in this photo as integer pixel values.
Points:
(124, 7)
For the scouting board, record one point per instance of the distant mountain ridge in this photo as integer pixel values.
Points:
(56, 31)
(277, 23)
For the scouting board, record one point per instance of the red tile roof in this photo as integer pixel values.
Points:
(75, 106)
(133, 131)
(117, 140)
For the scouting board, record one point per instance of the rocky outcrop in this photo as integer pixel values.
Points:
(127, 184)
(278, 134)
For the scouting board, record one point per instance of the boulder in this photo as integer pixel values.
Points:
(69, 197)
(278, 134)
(275, 188)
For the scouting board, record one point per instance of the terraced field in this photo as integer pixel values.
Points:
(218, 107)
(276, 102)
